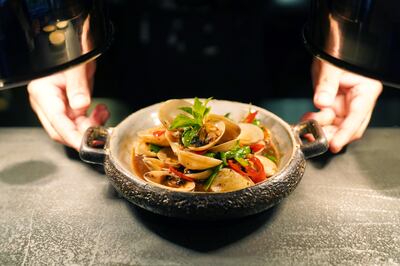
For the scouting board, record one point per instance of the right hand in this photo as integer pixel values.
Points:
(61, 102)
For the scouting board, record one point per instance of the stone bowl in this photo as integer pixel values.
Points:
(112, 147)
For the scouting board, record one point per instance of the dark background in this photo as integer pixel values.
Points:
(248, 51)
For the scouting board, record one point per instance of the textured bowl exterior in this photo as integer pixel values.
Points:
(209, 206)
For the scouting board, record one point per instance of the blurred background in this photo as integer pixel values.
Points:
(248, 51)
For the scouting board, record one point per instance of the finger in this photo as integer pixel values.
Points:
(78, 87)
(360, 110)
(323, 117)
(54, 109)
(329, 131)
(326, 85)
(98, 117)
(45, 123)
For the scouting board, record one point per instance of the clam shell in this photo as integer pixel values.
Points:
(195, 161)
(220, 126)
(250, 134)
(232, 129)
(224, 146)
(158, 177)
(168, 157)
(200, 175)
(228, 180)
(153, 164)
(170, 109)
(143, 148)
(173, 141)
(270, 167)
(148, 136)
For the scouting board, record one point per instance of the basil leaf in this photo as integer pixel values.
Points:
(182, 121)
(188, 135)
(210, 154)
(187, 109)
(154, 148)
(211, 178)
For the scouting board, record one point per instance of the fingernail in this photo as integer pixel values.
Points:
(324, 99)
(79, 101)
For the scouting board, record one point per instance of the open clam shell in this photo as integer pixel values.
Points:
(153, 164)
(232, 129)
(228, 180)
(214, 130)
(169, 110)
(167, 180)
(200, 175)
(195, 161)
(270, 167)
(168, 157)
(143, 148)
(250, 134)
(154, 135)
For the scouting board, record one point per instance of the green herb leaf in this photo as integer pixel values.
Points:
(196, 115)
(271, 157)
(182, 121)
(256, 122)
(200, 110)
(241, 161)
(189, 134)
(210, 154)
(211, 178)
(187, 109)
(154, 148)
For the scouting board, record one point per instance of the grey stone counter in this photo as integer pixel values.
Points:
(55, 209)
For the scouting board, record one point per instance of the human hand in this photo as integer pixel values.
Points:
(346, 102)
(61, 102)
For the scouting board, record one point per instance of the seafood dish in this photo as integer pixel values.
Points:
(195, 150)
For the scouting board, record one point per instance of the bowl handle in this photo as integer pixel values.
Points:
(313, 148)
(93, 145)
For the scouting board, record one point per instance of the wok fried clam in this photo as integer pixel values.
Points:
(194, 150)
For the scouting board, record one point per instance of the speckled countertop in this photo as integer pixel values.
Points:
(55, 210)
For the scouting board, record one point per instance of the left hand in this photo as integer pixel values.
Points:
(346, 102)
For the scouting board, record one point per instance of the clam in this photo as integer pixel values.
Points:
(200, 175)
(166, 179)
(170, 109)
(143, 148)
(195, 161)
(250, 134)
(270, 167)
(168, 157)
(228, 180)
(173, 140)
(232, 129)
(153, 164)
(154, 135)
(224, 146)
(210, 134)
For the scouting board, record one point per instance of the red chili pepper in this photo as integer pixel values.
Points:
(257, 174)
(200, 152)
(250, 117)
(236, 167)
(181, 175)
(256, 147)
(158, 133)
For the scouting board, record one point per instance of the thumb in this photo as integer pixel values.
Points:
(78, 87)
(326, 84)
